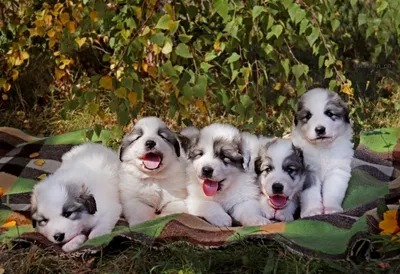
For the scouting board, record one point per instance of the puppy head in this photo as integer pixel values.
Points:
(216, 154)
(281, 172)
(321, 116)
(61, 211)
(150, 146)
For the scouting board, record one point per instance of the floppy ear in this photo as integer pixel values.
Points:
(346, 112)
(88, 201)
(257, 165)
(246, 159)
(295, 119)
(33, 223)
(33, 208)
(177, 147)
(299, 152)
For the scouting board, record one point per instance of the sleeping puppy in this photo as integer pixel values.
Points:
(219, 184)
(153, 172)
(322, 129)
(281, 176)
(80, 200)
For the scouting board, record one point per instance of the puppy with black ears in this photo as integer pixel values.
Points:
(153, 172)
(281, 176)
(322, 129)
(221, 187)
(81, 199)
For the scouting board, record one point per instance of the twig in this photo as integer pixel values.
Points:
(291, 52)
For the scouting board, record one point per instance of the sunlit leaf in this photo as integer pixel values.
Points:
(39, 162)
(121, 92)
(71, 26)
(59, 73)
(183, 51)
(132, 97)
(94, 16)
(106, 82)
(93, 108)
(80, 41)
(164, 22)
(64, 18)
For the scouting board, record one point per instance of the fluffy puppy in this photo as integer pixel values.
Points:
(281, 176)
(219, 186)
(81, 198)
(153, 172)
(322, 129)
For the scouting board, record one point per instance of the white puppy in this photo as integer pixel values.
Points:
(322, 129)
(153, 172)
(281, 175)
(81, 198)
(219, 186)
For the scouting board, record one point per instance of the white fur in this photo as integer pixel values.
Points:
(328, 160)
(239, 195)
(145, 193)
(93, 169)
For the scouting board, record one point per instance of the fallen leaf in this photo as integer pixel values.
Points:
(15, 74)
(106, 82)
(277, 86)
(34, 155)
(80, 41)
(9, 224)
(59, 73)
(39, 162)
(51, 33)
(145, 66)
(152, 71)
(43, 176)
(200, 105)
(71, 26)
(52, 42)
(64, 18)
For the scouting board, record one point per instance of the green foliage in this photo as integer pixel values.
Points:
(250, 59)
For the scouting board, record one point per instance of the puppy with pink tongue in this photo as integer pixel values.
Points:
(222, 186)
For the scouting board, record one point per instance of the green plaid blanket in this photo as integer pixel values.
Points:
(25, 159)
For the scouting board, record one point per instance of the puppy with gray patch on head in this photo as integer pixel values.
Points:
(220, 184)
(322, 129)
(281, 176)
(80, 200)
(153, 172)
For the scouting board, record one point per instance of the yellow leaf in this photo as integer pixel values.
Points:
(346, 88)
(106, 82)
(156, 49)
(39, 162)
(15, 74)
(59, 73)
(52, 42)
(101, 114)
(94, 16)
(9, 224)
(339, 64)
(145, 66)
(39, 23)
(277, 86)
(132, 97)
(64, 18)
(80, 41)
(4, 97)
(152, 71)
(51, 33)
(57, 53)
(18, 61)
(6, 86)
(135, 66)
(47, 19)
(43, 176)
(34, 155)
(33, 32)
(217, 46)
(138, 11)
(200, 105)
(57, 7)
(1, 191)
(71, 26)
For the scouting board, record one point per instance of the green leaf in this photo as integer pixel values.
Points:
(222, 8)
(303, 26)
(335, 24)
(73, 104)
(321, 60)
(210, 56)
(313, 36)
(93, 108)
(121, 93)
(285, 64)
(127, 82)
(205, 66)
(200, 88)
(281, 99)
(2, 81)
(299, 70)
(332, 84)
(381, 209)
(246, 101)
(183, 51)
(275, 30)
(169, 69)
(187, 91)
(97, 129)
(158, 39)
(296, 13)
(233, 58)
(139, 91)
(235, 73)
(382, 7)
(163, 22)
(185, 38)
(362, 19)
(257, 10)
(268, 48)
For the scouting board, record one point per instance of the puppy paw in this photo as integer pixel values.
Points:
(74, 244)
(220, 220)
(311, 212)
(255, 221)
(284, 216)
(333, 209)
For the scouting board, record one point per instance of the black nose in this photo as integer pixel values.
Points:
(207, 171)
(59, 237)
(320, 130)
(150, 144)
(277, 188)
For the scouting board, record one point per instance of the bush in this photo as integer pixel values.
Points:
(246, 59)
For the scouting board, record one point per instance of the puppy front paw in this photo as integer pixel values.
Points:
(74, 244)
(311, 212)
(284, 216)
(255, 221)
(332, 209)
(220, 220)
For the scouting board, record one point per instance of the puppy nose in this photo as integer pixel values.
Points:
(320, 130)
(277, 188)
(150, 144)
(207, 171)
(59, 237)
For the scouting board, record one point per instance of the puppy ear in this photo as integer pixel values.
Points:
(295, 120)
(33, 223)
(177, 147)
(189, 138)
(33, 209)
(257, 165)
(299, 152)
(246, 159)
(88, 201)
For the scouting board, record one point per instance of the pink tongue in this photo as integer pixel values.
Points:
(278, 201)
(151, 161)
(210, 187)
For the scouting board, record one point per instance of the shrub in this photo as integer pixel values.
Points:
(247, 59)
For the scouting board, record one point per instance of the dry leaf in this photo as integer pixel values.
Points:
(80, 41)
(4, 97)
(152, 71)
(277, 86)
(59, 73)
(51, 33)
(9, 224)
(64, 18)
(94, 16)
(34, 155)
(145, 66)
(200, 105)
(106, 82)
(6, 86)
(132, 97)
(71, 26)
(1, 191)
(39, 162)
(15, 74)
(43, 176)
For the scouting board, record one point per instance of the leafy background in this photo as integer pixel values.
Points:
(100, 64)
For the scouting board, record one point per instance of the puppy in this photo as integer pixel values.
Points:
(219, 184)
(81, 198)
(153, 172)
(281, 176)
(322, 129)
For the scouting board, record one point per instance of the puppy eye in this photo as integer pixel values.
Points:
(67, 214)
(290, 170)
(307, 116)
(268, 169)
(329, 113)
(226, 160)
(163, 136)
(42, 222)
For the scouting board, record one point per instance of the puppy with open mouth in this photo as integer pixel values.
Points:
(281, 176)
(81, 199)
(153, 172)
(220, 186)
(322, 129)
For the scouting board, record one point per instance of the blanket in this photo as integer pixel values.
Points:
(25, 159)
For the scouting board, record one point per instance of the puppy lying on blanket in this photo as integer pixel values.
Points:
(153, 172)
(80, 200)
